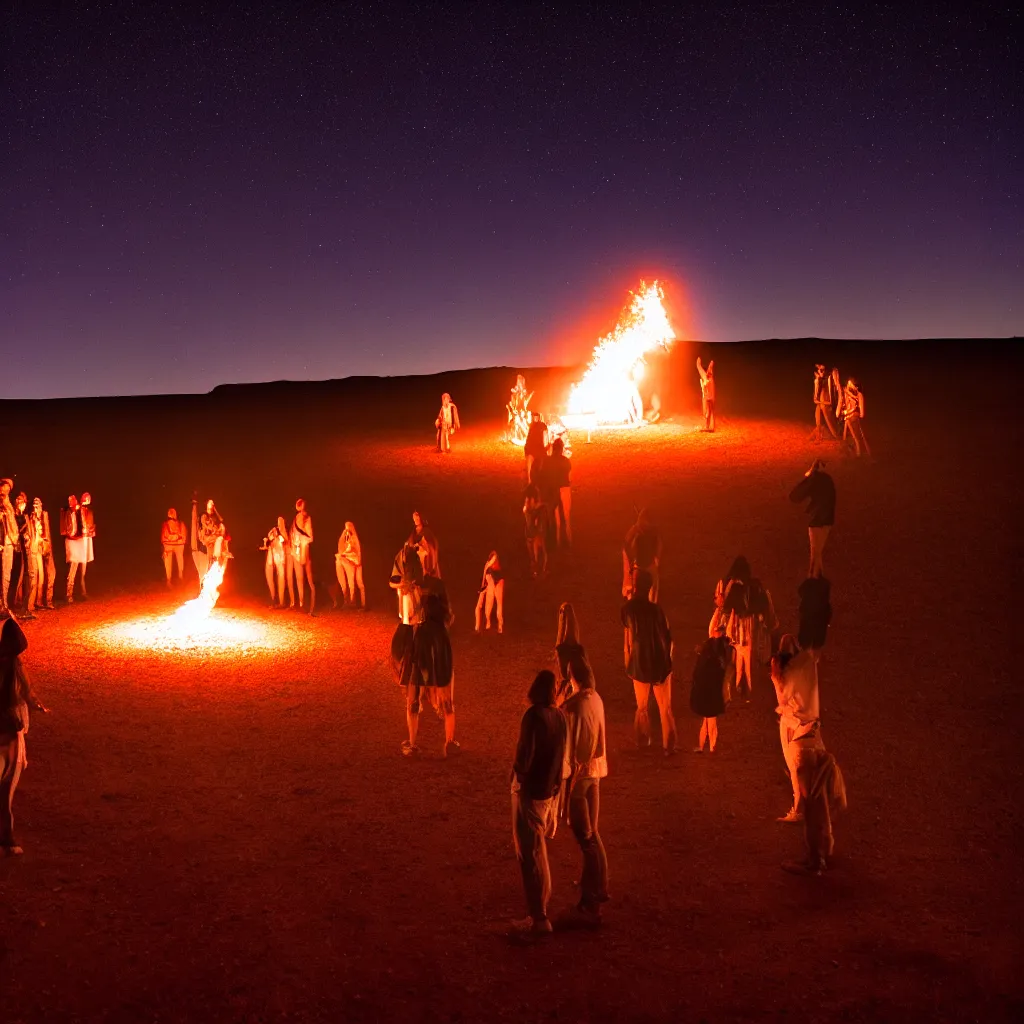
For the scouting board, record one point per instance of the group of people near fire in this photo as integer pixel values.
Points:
(561, 753)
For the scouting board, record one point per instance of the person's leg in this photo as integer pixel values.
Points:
(499, 600)
(531, 851)
(711, 415)
(6, 565)
(268, 571)
(565, 494)
(81, 578)
(663, 697)
(312, 585)
(830, 422)
(584, 805)
(642, 719)
(816, 435)
(542, 556)
(743, 670)
(655, 582)
(72, 570)
(489, 602)
(712, 734)
(10, 772)
(279, 580)
(50, 569)
(179, 555)
(299, 572)
(861, 437)
(342, 576)
(478, 614)
(413, 698)
(168, 560)
(360, 587)
(702, 737)
(289, 579)
(33, 570)
(447, 698)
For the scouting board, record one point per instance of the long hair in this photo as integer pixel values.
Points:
(739, 570)
(568, 627)
(542, 689)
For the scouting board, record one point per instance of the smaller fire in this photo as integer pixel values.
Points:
(196, 611)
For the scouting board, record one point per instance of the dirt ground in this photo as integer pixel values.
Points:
(234, 835)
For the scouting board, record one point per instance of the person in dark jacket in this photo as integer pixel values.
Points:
(430, 674)
(537, 775)
(819, 491)
(711, 687)
(647, 650)
(536, 443)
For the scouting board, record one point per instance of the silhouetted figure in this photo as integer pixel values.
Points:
(447, 423)
(570, 655)
(819, 491)
(536, 443)
(711, 686)
(641, 550)
(647, 652)
(349, 566)
(173, 537)
(558, 470)
(825, 395)
(536, 516)
(707, 394)
(537, 777)
(853, 416)
(491, 596)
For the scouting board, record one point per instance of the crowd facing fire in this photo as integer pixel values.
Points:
(560, 758)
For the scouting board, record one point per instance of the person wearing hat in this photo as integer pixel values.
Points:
(16, 697)
(8, 540)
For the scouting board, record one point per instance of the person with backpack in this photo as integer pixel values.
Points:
(711, 688)
(647, 652)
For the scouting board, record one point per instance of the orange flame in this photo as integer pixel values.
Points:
(198, 609)
(607, 392)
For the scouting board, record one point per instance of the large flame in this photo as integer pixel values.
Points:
(607, 393)
(197, 611)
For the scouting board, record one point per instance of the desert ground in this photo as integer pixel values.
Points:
(233, 834)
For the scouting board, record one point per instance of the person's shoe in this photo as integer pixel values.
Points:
(50, 607)
(698, 750)
(452, 746)
(12, 851)
(589, 917)
(500, 628)
(408, 750)
(791, 817)
(670, 752)
(27, 617)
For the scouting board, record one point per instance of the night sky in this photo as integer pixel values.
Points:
(192, 196)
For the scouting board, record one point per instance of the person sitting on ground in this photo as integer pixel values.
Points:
(647, 652)
(16, 697)
(537, 778)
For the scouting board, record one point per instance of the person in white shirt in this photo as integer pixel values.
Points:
(818, 787)
(447, 423)
(348, 566)
(586, 753)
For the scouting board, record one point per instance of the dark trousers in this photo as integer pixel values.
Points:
(532, 822)
(11, 762)
(46, 583)
(584, 805)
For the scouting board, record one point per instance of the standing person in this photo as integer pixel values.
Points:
(711, 687)
(536, 443)
(406, 579)
(853, 416)
(16, 697)
(537, 774)
(641, 550)
(49, 576)
(536, 518)
(588, 764)
(433, 671)
(74, 544)
(173, 537)
(707, 394)
(819, 491)
(424, 540)
(818, 786)
(8, 540)
(32, 559)
(559, 473)
(348, 566)
(88, 533)
(211, 532)
(447, 423)
(491, 594)
(824, 400)
(647, 652)
(17, 599)
(302, 561)
(278, 565)
(570, 654)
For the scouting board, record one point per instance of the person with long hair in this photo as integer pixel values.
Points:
(32, 557)
(732, 608)
(433, 676)
(491, 596)
(824, 400)
(536, 518)
(853, 417)
(647, 652)
(425, 541)
(302, 558)
(537, 778)
(570, 654)
(16, 697)
(278, 567)
(711, 686)
(348, 566)
(212, 532)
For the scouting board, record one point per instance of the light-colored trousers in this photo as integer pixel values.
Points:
(174, 553)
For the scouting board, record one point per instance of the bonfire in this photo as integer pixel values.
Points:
(607, 394)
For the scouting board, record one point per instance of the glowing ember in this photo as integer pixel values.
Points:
(608, 394)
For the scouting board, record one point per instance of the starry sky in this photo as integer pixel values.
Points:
(204, 194)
